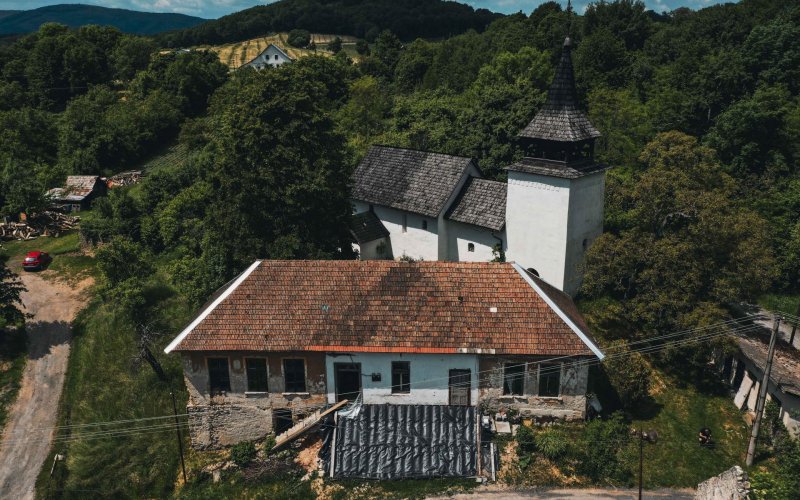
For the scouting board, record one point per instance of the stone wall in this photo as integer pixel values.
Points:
(570, 404)
(239, 415)
(730, 485)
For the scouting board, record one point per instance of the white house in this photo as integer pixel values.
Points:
(288, 337)
(272, 56)
(434, 206)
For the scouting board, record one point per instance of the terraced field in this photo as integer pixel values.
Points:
(236, 54)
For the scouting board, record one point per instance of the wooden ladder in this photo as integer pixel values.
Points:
(305, 425)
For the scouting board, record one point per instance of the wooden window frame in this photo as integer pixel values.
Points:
(285, 382)
(266, 374)
(539, 384)
(208, 370)
(508, 390)
(398, 386)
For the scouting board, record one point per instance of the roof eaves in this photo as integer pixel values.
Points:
(224, 295)
(586, 340)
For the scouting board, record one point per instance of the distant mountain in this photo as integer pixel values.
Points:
(74, 15)
(408, 19)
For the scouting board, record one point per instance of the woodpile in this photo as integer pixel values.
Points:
(125, 179)
(43, 224)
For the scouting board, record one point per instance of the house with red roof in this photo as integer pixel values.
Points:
(286, 338)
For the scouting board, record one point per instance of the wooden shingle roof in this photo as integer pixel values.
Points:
(555, 168)
(407, 179)
(389, 306)
(481, 202)
(366, 227)
(560, 119)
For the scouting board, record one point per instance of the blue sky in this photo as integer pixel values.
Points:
(217, 8)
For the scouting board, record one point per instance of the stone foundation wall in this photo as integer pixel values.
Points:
(570, 404)
(730, 485)
(239, 415)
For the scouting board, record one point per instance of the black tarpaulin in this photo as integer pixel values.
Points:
(406, 441)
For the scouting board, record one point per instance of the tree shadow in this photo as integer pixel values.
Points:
(43, 336)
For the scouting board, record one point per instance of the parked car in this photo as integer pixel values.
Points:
(36, 260)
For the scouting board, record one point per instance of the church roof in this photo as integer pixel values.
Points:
(408, 179)
(481, 202)
(366, 227)
(555, 168)
(560, 119)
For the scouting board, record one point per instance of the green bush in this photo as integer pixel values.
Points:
(526, 439)
(243, 453)
(299, 38)
(603, 442)
(552, 443)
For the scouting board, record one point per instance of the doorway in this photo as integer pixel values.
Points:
(348, 380)
(460, 387)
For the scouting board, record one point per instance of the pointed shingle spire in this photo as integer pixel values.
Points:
(560, 119)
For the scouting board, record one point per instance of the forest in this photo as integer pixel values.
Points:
(699, 112)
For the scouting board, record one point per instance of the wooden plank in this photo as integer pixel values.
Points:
(307, 423)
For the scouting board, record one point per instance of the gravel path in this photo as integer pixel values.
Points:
(29, 430)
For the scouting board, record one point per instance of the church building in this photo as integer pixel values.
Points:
(433, 206)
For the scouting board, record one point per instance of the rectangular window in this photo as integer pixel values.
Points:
(405, 222)
(219, 379)
(294, 375)
(401, 377)
(257, 375)
(549, 380)
(513, 378)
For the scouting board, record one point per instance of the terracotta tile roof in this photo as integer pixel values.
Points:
(386, 306)
(366, 227)
(482, 203)
(408, 179)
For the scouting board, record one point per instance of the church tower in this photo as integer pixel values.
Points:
(554, 209)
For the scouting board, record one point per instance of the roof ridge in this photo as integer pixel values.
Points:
(471, 158)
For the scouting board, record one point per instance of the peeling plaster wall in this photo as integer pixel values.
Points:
(240, 415)
(570, 404)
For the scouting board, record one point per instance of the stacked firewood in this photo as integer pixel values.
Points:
(125, 179)
(43, 224)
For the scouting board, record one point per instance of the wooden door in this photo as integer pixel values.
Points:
(348, 380)
(460, 387)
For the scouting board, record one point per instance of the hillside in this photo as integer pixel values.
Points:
(74, 15)
(236, 54)
(408, 19)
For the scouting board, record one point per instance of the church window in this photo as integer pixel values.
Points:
(405, 223)
(424, 224)
(470, 247)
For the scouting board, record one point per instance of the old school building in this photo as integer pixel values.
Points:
(289, 337)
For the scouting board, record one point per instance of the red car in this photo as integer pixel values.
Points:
(36, 260)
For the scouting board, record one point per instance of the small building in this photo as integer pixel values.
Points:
(438, 206)
(77, 193)
(273, 56)
(745, 371)
(288, 337)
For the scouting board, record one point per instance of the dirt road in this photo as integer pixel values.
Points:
(29, 430)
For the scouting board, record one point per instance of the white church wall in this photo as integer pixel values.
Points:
(537, 211)
(460, 236)
(444, 239)
(407, 231)
(586, 203)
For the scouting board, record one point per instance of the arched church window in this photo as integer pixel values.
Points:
(533, 272)
(470, 247)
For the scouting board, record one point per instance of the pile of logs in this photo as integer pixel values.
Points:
(125, 179)
(43, 224)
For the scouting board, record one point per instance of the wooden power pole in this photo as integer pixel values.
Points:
(762, 393)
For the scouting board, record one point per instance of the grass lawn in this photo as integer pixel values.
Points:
(69, 262)
(776, 302)
(677, 460)
(13, 353)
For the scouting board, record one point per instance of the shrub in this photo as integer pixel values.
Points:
(629, 375)
(603, 441)
(526, 439)
(243, 453)
(299, 38)
(552, 443)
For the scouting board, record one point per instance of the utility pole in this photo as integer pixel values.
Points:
(794, 326)
(178, 430)
(641, 462)
(762, 393)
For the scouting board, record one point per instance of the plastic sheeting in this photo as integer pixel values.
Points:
(406, 441)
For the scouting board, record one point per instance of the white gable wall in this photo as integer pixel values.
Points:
(270, 56)
(586, 204)
(461, 235)
(415, 241)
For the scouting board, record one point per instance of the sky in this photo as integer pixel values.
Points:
(215, 8)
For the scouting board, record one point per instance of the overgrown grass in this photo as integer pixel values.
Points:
(405, 489)
(234, 486)
(69, 263)
(103, 385)
(677, 459)
(13, 354)
(776, 302)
